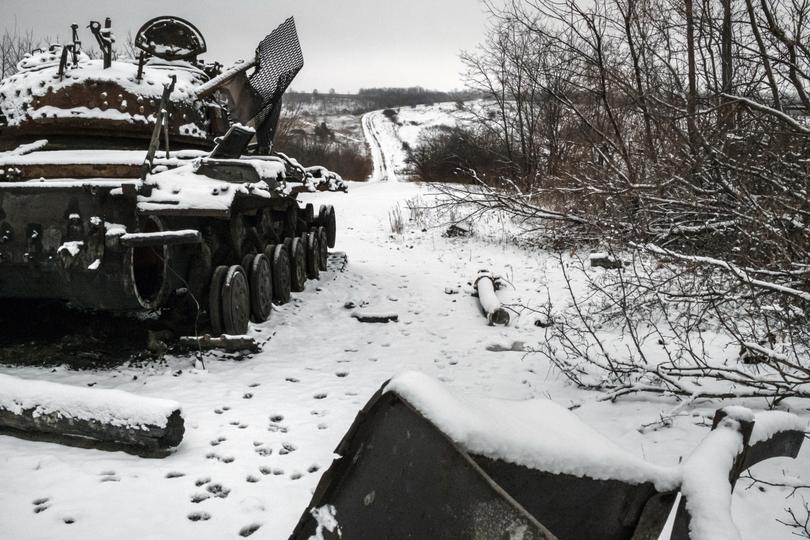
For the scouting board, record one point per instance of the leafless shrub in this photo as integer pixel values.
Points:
(676, 131)
(675, 324)
(796, 519)
(295, 138)
(396, 220)
(417, 211)
(14, 45)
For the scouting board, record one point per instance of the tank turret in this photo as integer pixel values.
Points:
(74, 101)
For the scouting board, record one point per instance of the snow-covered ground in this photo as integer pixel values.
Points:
(260, 431)
(390, 137)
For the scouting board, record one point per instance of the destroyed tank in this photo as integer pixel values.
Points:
(95, 213)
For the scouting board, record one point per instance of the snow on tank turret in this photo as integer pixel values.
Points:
(75, 101)
(217, 234)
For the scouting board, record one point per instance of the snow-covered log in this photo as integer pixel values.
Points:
(109, 416)
(605, 260)
(485, 285)
(374, 317)
(224, 342)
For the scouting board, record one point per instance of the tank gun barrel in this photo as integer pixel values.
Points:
(208, 88)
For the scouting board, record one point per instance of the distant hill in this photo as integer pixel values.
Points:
(370, 99)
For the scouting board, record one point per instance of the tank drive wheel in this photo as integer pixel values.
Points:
(281, 274)
(313, 255)
(326, 219)
(235, 301)
(261, 287)
(215, 299)
(298, 265)
(323, 249)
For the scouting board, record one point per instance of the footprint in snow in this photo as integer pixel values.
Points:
(199, 516)
(218, 441)
(224, 459)
(247, 530)
(263, 451)
(40, 505)
(109, 476)
(197, 498)
(287, 448)
(319, 396)
(295, 476)
(68, 521)
(174, 474)
(202, 481)
(251, 479)
(217, 490)
(292, 380)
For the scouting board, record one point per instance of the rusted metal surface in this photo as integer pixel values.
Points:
(130, 129)
(151, 243)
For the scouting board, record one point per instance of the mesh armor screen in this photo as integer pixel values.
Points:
(280, 59)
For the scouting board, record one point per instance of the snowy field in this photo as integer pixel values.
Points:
(389, 137)
(260, 431)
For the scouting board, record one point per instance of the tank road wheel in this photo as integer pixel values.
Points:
(215, 299)
(247, 263)
(269, 251)
(326, 219)
(298, 265)
(235, 301)
(281, 274)
(313, 254)
(261, 288)
(323, 248)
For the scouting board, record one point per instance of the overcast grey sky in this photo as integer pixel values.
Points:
(347, 44)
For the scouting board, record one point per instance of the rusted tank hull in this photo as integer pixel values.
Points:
(62, 241)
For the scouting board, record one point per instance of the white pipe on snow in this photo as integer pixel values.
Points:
(485, 285)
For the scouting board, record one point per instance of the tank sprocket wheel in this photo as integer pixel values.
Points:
(326, 219)
(261, 288)
(235, 301)
(323, 248)
(298, 265)
(215, 299)
(281, 274)
(313, 254)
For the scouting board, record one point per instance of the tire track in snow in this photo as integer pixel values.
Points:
(383, 161)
